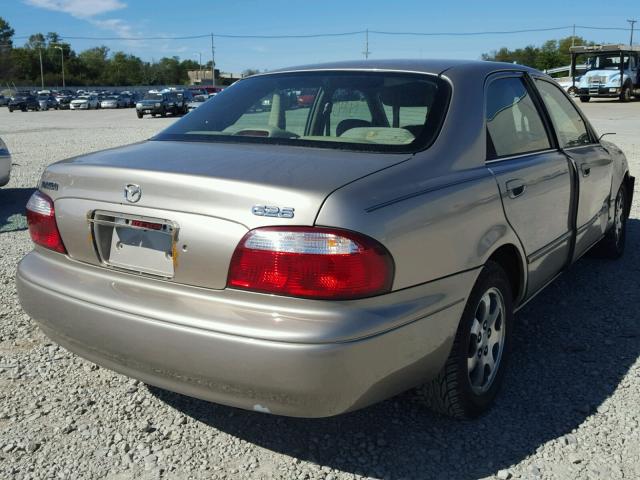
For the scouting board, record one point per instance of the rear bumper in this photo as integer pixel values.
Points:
(110, 320)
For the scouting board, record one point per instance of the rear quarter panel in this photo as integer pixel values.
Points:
(433, 227)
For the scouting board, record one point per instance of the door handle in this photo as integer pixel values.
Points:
(586, 169)
(516, 187)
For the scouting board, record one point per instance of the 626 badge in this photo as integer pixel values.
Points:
(271, 211)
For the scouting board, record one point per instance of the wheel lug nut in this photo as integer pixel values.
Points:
(486, 350)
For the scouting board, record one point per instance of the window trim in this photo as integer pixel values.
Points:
(533, 93)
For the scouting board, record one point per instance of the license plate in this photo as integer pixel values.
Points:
(135, 243)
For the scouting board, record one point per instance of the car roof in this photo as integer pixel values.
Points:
(434, 66)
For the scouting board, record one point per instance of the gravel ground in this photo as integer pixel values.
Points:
(570, 408)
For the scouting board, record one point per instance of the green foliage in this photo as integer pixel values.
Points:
(552, 53)
(95, 66)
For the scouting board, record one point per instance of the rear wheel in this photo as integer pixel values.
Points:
(10, 109)
(612, 244)
(584, 99)
(139, 115)
(470, 379)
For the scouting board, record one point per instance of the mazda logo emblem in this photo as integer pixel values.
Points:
(132, 192)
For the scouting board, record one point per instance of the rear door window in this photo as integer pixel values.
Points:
(514, 125)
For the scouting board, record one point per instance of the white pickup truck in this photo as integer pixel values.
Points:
(613, 71)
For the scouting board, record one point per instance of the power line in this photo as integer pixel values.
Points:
(463, 34)
(345, 34)
(217, 35)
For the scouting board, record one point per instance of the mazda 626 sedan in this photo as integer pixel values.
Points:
(311, 259)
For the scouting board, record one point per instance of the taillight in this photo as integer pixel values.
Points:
(42, 222)
(309, 262)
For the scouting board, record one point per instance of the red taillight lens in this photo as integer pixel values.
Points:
(322, 263)
(42, 223)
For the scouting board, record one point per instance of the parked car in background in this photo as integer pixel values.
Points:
(312, 261)
(3, 100)
(113, 101)
(24, 102)
(184, 97)
(158, 104)
(212, 91)
(47, 101)
(64, 101)
(84, 102)
(197, 100)
(128, 98)
(306, 97)
(5, 164)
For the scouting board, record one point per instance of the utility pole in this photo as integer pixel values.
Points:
(366, 45)
(62, 57)
(213, 63)
(41, 70)
(199, 65)
(632, 22)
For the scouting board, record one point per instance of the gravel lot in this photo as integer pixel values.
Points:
(570, 409)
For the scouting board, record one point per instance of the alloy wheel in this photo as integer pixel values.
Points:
(619, 217)
(486, 342)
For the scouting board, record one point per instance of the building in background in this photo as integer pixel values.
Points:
(203, 77)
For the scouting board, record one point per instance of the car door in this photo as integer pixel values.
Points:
(533, 176)
(592, 162)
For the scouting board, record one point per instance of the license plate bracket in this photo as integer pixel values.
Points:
(135, 243)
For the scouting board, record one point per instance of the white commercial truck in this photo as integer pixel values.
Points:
(613, 71)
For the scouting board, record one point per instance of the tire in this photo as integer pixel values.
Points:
(612, 244)
(10, 110)
(585, 99)
(466, 388)
(625, 96)
(140, 115)
(163, 113)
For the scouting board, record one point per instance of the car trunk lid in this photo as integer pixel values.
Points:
(203, 196)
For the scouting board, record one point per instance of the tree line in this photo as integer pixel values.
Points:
(552, 53)
(95, 66)
(100, 66)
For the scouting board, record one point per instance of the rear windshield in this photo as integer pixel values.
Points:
(153, 96)
(350, 110)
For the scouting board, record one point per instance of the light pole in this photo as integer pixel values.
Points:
(41, 69)
(62, 57)
(199, 65)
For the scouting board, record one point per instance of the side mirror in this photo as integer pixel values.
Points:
(605, 134)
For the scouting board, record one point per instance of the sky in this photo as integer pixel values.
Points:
(123, 19)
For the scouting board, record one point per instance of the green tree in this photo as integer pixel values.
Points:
(6, 33)
(93, 64)
(551, 54)
(6, 44)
